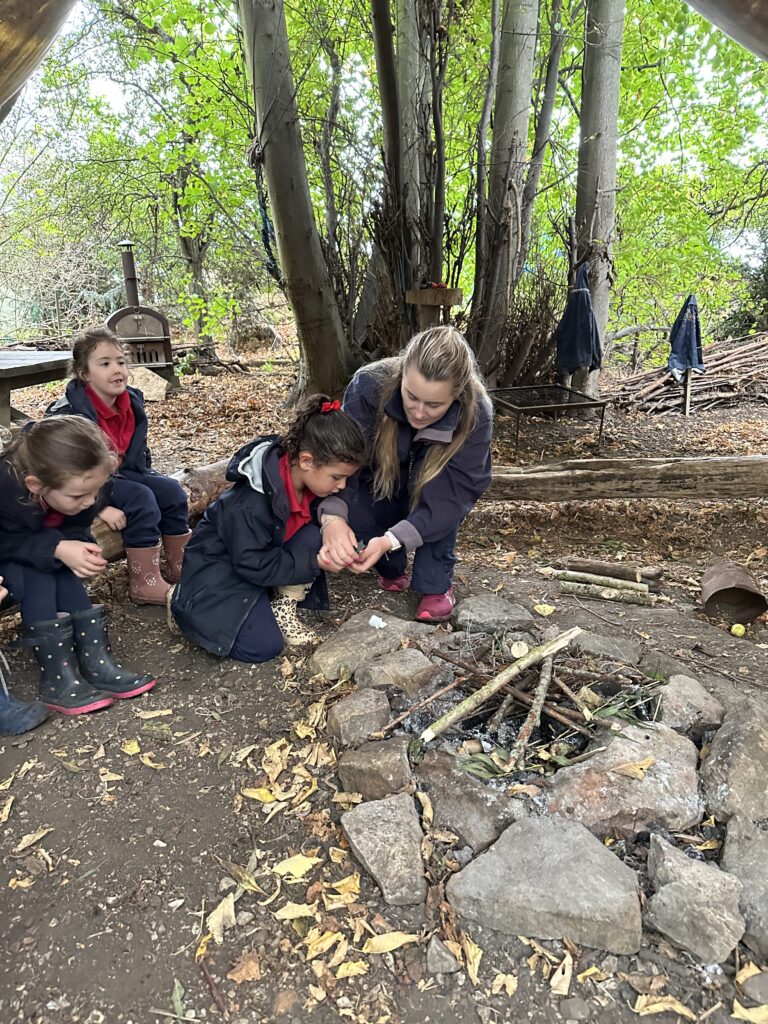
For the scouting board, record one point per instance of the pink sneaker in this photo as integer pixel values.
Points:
(397, 585)
(436, 607)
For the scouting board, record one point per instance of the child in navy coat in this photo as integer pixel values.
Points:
(254, 555)
(145, 505)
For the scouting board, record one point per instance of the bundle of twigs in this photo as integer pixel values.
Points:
(736, 371)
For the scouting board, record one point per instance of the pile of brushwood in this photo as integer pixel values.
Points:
(736, 371)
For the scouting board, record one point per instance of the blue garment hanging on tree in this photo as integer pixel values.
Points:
(685, 342)
(576, 336)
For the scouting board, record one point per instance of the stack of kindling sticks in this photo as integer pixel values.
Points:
(609, 581)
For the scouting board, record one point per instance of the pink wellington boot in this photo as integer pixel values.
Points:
(396, 585)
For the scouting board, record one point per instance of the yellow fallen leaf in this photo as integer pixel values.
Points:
(508, 982)
(635, 769)
(340, 954)
(317, 995)
(293, 911)
(275, 759)
(6, 784)
(749, 970)
(221, 918)
(5, 810)
(296, 866)
(261, 794)
(101, 752)
(337, 901)
(337, 855)
(304, 794)
(347, 799)
(21, 883)
(427, 813)
(158, 713)
(130, 747)
(202, 947)
(243, 877)
(523, 789)
(146, 759)
(755, 1014)
(472, 957)
(560, 982)
(107, 776)
(238, 756)
(710, 844)
(349, 884)
(544, 609)
(304, 731)
(592, 972)
(318, 942)
(30, 839)
(388, 941)
(650, 1004)
(352, 969)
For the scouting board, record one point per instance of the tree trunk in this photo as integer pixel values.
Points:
(596, 178)
(325, 355)
(411, 81)
(506, 167)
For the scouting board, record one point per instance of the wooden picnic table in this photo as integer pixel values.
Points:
(23, 368)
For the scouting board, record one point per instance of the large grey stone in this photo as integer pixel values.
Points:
(696, 904)
(609, 801)
(616, 648)
(734, 774)
(385, 836)
(688, 708)
(355, 717)
(489, 613)
(745, 855)
(660, 665)
(376, 769)
(476, 812)
(551, 878)
(440, 960)
(357, 641)
(408, 670)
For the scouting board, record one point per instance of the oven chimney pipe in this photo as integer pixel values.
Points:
(129, 273)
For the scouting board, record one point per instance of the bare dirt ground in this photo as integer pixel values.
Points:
(139, 811)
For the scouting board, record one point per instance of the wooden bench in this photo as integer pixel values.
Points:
(24, 368)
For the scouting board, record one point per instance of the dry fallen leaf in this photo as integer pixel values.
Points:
(5, 809)
(243, 877)
(221, 918)
(544, 609)
(427, 813)
(148, 715)
(508, 982)
(749, 970)
(264, 796)
(30, 839)
(337, 855)
(293, 911)
(296, 866)
(130, 747)
(560, 982)
(247, 967)
(592, 972)
(755, 1014)
(6, 784)
(650, 1004)
(146, 759)
(318, 942)
(472, 957)
(635, 769)
(340, 954)
(352, 969)
(350, 884)
(275, 759)
(388, 941)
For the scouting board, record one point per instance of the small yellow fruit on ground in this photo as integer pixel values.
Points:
(738, 630)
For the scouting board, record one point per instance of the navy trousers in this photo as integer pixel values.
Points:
(42, 595)
(433, 562)
(153, 505)
(259, 638)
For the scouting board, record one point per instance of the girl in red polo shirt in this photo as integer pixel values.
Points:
(146, 506)
(254, 555)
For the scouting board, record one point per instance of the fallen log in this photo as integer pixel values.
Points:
(608, 593)
(620, 570)
(615, 583)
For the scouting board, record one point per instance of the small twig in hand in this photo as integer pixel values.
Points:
(534, 715)
(213, 988)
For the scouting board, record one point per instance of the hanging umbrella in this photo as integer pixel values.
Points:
(685, 342)
(576, 337)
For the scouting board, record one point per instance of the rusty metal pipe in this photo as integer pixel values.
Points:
(129, 276)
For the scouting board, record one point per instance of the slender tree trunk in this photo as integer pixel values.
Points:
(411, 75)
(596, 179)
(325, 355)
(441, 28)
(507, 165)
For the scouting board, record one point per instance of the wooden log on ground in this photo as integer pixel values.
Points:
(608, 593)
(588, 479)
(620, 570)
(598, 580)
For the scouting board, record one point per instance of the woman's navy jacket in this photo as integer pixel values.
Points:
(236, 552)
(75, 402)
(447, 499)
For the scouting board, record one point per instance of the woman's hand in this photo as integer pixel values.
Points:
(338, 550)
(371, 553)
(113, 517)
(84, 559)
(3, 590)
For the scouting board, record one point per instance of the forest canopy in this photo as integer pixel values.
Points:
(155, 121)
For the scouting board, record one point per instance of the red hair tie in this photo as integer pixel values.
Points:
(330, 406)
